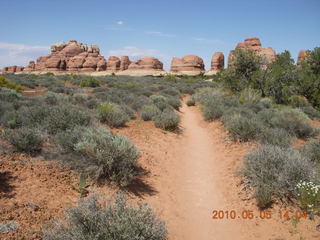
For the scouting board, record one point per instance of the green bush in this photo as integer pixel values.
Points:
(112, 114)
(53, 118)
(174, 102)
(298, 101)
(5, 83)
(24, 140)
(212, 111)
(191, 101)
(167, 120)
(116, 220)
(160, 101)
(312, 151)
(275, 136)
(278, 170)
(311, 112)
(90, 82)
(243, 128)
(105, 155)
(294, 122)
(9, 95)
(249, 95)
(148, 112)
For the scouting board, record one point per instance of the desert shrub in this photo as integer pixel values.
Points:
(171, 92)
(243, 128)
(138, 102)
(278, 169)
(298, 101)
(129, 111)
(212, 111)
(266, 102)
(92, 103)
(106, 155)
(9, 95)
(24, 139)
(50, 98)
(311, 112)
(170, 78)
(116, 220)
(160, 101)
(312, 151)
(10, 119)
(90, 82)
(148, 112)
(167, 120)
(294, 121)
(174, 102)
(5, 83)
(5, 107)
(63, 117)
(112, 114)
(263, 195)
(275, 136)
(191, 101)
(249, 95)
(266, 115)
(53, 118)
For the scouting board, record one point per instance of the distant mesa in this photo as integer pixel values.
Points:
(254, 44)
(189, 64)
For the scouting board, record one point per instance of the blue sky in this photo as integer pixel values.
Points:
(160, 28)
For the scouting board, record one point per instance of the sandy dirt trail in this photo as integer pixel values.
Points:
(194, 186)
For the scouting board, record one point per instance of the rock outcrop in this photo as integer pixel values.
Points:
(217, 61)
(146, 63)
(124, 63)
(254, 44)
(12, 69)
(72, 57)
(113, 64)
(303, 55)
(187, 63)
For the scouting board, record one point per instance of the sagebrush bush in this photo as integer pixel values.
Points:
(275, 136)
(174, 102)
(295, 122)
(90, 82)
(106, 155)
(191, 101)
(311, 112)
(9, 95)
(312, 151)
(160, 101)
(212, 111)
(53, 118)
(148, 112)
(24, 140)
(167, 120)
(278, 169)
(115, 220)
(243, 128)
(249, 95)
(298, 101)
(112, 114)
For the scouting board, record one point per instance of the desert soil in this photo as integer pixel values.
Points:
(187, 175)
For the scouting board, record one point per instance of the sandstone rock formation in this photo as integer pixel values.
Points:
(113, 64)
(12, 69)
(124, 63)
(303, 54)
(254, 44)
(187, 63)
(146, 63)
(217, 61)
(72, 57)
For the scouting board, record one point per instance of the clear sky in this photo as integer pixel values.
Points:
(160, 28)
